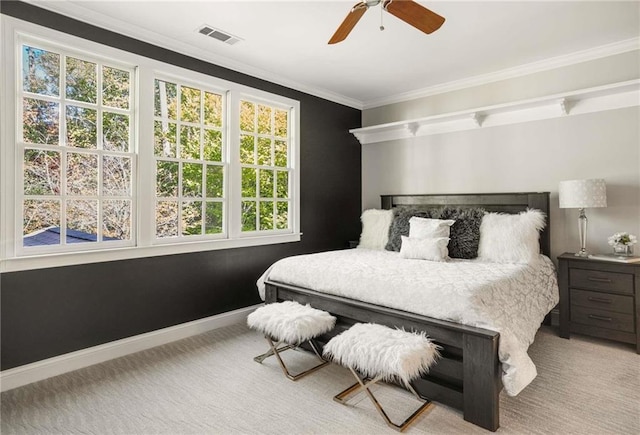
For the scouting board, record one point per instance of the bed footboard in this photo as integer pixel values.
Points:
(467, 376)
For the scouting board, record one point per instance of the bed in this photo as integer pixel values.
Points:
(469, 375)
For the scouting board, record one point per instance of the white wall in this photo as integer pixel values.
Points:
(531, 156)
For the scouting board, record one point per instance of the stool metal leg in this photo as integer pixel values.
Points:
(274, 350)
(343, 397)
(269, 353)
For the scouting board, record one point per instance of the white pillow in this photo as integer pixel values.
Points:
(425, 228)
(433, 249)
(511, 238)
(375, 229)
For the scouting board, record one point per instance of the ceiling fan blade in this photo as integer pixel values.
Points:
(415, 14)
(349, 22)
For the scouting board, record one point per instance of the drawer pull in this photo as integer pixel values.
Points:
(600, 300)
(596, 279)
(603, 318)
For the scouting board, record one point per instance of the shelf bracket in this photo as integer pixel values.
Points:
(564, 106)
(477, 119)
(412, 127)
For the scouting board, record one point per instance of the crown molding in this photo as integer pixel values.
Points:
(590, 100)
(78, 12)
(509, 73)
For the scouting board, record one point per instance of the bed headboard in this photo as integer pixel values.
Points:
(498, 202)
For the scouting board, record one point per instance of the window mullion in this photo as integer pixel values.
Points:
(146, 162)
(234, 201)
(62, 143)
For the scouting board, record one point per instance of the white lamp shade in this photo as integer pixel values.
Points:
(583, 193)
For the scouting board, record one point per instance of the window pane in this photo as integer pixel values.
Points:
(215, 181)
(191, 218)
(116, 220)
(40, 71)
(82, 129)
(167, 179)
(266, 215)
(280, 151)
(41, 171)
(213, 220)
(81, 83)
(164, 139)
(249, 182)
(167, 219)
(282, 185)
(213, 145)
(166, 100)
(266, 183)
(82, 221)
(115, 87)
(41, 223)
(264, 151)
(281, 123)
(191, 179)
(213, 109)
(82, 174)
(264, 119)
(189, 142)
(116, 176)
(282, 215)
(189, 104)
(40, 121)
(248, 215)
(115, 131)
(247, 150)
(247, 116)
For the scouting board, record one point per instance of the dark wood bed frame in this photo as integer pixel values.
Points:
(468, 376)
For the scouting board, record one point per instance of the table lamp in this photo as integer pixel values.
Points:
(583, 194)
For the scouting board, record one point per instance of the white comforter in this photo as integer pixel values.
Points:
(511, 299)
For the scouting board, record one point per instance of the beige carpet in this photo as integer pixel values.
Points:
(209, 384)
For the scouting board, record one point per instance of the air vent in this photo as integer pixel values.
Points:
(218, 34)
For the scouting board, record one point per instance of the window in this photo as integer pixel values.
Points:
(77, 159)
(264, 158)
(107, 149)
(190, 160)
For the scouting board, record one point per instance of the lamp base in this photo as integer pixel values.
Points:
(582, 253)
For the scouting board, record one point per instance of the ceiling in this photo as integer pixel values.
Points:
(286, 41)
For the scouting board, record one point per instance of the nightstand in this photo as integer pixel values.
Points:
(599, 298)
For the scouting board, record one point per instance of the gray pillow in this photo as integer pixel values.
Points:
(400, 226)
(465, 232)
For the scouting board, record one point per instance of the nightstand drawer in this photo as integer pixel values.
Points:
(602, 301)
(600, 280)
(602, 318)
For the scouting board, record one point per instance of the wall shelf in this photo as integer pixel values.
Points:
(608, 97)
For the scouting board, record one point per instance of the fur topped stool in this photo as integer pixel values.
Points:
(291, 324)
(381, 353)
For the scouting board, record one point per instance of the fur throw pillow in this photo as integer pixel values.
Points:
(375, 229)
(511, 238)
(465, 232)
(400, 226)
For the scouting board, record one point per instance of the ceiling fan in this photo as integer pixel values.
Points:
(407, 10)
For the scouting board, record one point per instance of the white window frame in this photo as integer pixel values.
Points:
(237, 229)
(207, 87)
(143, 217)
(63, 151)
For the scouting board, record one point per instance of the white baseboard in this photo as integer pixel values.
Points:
(26, 374)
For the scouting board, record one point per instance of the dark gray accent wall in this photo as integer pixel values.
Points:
(49, 312)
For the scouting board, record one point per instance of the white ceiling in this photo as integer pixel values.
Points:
(286, 41)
